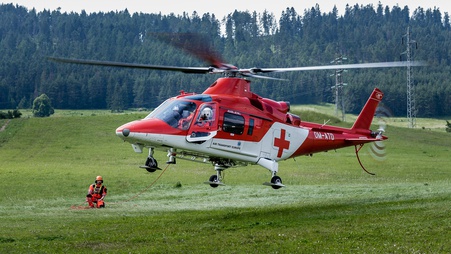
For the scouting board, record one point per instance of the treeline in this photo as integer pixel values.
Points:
(10, 114)
(244, 39)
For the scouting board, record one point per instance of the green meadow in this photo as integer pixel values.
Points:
(329, 204)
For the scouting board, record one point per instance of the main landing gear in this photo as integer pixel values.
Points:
(216, 180)
(220, 165)
(273, 166)
(276, 182)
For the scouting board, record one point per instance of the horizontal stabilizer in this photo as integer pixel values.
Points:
(358, 141)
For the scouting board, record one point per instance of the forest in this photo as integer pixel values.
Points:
(362, 34)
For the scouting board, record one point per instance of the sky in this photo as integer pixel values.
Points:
(219, 8)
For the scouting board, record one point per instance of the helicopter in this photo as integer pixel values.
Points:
(228, 125)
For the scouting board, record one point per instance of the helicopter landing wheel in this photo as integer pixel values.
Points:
(276, 182)
(151, 164)
(213, 179)
(216, 180)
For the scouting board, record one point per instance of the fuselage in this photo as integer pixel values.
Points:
(228, 121)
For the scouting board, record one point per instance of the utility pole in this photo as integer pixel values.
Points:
(339, 100)
(411, 111)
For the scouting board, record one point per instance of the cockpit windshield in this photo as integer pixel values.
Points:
(176, 113)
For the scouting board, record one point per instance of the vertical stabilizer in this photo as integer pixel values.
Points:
(366, 115)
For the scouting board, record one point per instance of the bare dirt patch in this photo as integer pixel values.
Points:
(4, 126)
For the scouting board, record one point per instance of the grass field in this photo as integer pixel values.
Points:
(329, 205)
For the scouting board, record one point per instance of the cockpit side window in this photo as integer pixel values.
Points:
(206, 115)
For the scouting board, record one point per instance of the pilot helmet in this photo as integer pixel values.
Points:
(207, 113)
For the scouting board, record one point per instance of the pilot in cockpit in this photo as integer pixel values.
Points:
(205, 117)
(186, 118)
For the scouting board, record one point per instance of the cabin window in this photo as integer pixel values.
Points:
(233, 123)
(251, 127)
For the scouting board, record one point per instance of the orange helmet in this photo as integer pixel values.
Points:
(99, 178)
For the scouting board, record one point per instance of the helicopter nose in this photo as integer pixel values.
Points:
(122, 132)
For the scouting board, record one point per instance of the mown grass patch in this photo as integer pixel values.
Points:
(329, 205)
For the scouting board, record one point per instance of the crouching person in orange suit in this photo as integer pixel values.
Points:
(96, 193)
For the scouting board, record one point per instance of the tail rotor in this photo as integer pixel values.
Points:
(377, 149)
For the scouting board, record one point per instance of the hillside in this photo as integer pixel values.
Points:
(322, 112)
(363, 34)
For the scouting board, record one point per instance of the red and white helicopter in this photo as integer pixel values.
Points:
(228, 125)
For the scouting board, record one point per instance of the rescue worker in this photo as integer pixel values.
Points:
(96, 193)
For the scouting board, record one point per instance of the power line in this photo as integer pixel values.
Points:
(339, 94)
(411, 111)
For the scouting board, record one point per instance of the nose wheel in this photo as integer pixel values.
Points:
(151, 164)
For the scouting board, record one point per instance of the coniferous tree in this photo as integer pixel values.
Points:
(248, 39)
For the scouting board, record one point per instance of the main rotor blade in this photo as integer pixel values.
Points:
(341, 66)
(198, 70)
(262, 77)
(195, 44)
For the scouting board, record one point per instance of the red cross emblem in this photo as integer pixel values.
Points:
(281, 143)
